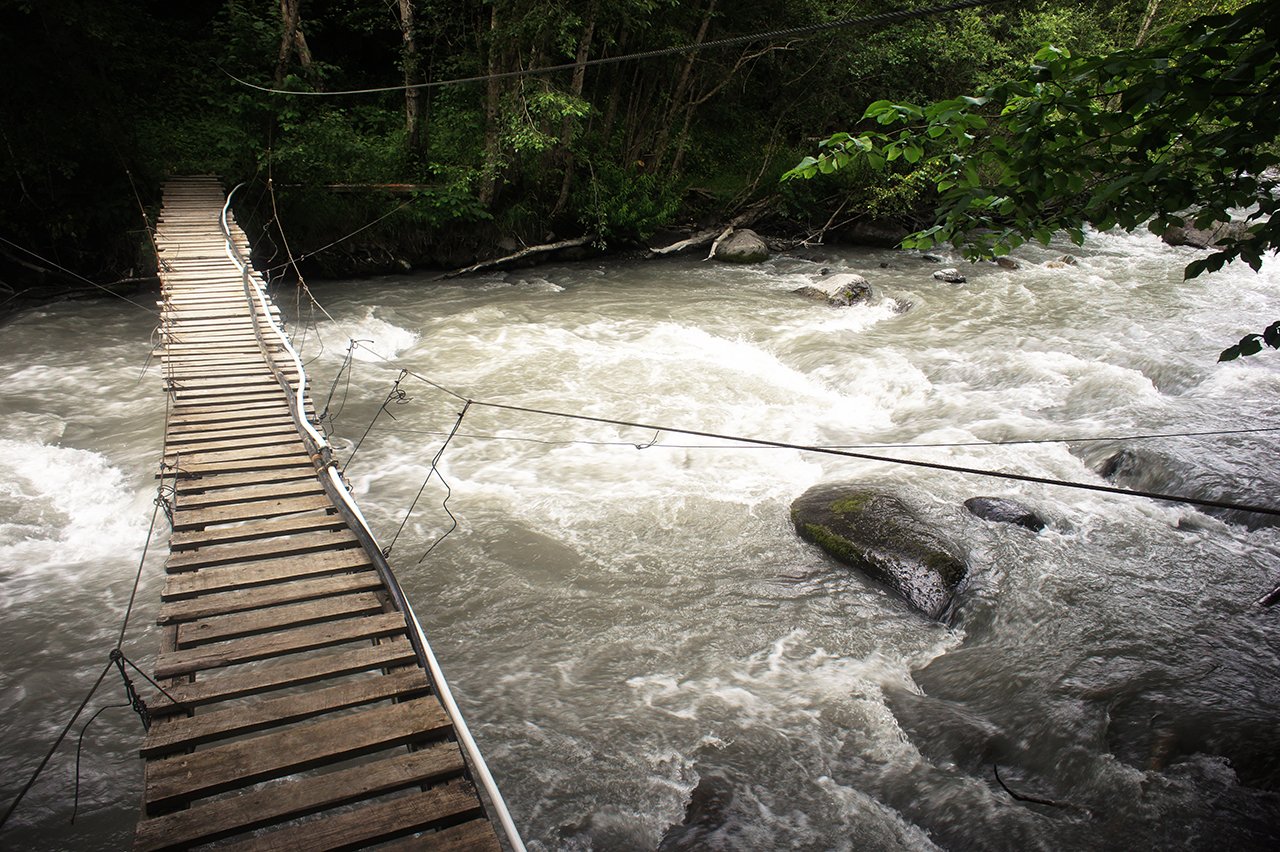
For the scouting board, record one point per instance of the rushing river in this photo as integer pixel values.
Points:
(627, 616)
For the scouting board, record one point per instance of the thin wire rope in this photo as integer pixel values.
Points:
(56, 265)
(330, 245)
(57, 742)
(875, 20)
(137, 578)
(950, 468)
(849, 453)
(396, 395)
(878, 446)
(435, 462)
(75, 801)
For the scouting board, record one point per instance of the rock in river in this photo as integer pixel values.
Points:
(742, 246)
(1005, 512)
(841, 290)
(950, 275)
(874, 531)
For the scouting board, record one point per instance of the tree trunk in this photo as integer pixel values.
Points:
(682, 87)
(615, 92)
(411, 64)
(292, 40)
(1147, 18)
(493, 94)
(575, 88)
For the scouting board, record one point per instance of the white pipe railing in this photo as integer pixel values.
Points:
(427, 658)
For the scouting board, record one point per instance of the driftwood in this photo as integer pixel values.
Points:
(1033, 799)
(1270, 598)
(710, 235)
(523, 253)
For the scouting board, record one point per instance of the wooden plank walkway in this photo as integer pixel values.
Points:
(305, 719)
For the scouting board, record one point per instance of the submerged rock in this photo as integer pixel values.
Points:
(841, 290)
(1007, 263)
(742, 246)
(950, 275)
(705, 816)
(1234, 476)
(1005, 512)
(880, 535)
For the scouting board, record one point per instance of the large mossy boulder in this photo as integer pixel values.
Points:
(876, 532)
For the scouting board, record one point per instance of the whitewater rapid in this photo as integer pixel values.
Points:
(626, 615)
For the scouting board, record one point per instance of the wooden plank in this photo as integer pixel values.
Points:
(190, 411)
(185, 469)
(394, 651)
(189, 731)
(251, 575)
(222, 628)
(238, 764)
(273, 594)
(235, 651)
(227, 496)
(258, 808)
(475, 835)
(262, 549)
(263, 392)
(384, 820)
(217, 481)
(219, 439)
(187, 518)
(256, 530)
(207, 456)
(214, 417)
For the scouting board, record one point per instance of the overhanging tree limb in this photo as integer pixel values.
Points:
(1187, 121)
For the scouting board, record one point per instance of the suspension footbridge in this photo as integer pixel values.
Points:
(304, 708)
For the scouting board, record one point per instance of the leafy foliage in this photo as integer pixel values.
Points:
(1140, 135)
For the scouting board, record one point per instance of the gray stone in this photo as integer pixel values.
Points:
(1007, 263)
(742, 246)
(876, 532)
(841, 290)
(1005, 511)
(950, 275)
(931, 258)
(813, 293)
(846, 288)
(1203, 238)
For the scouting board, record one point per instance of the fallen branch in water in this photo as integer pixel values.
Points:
(1270, 598)
(708, 235)
(1034, 800)
(524, 252)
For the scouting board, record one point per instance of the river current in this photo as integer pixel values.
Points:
(646, 652)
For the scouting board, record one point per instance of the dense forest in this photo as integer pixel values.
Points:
(104, 98)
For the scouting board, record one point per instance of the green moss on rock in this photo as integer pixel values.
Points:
(877, 533)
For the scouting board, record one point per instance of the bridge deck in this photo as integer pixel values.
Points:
(306, 722)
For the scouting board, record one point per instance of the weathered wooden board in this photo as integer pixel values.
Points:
(385, 819)
(239, 599)
(268, 571)
(247, 551)
(188, 518)
(224, 817)
(221, 628)
(233, 651)
(230, 765)
(289, 673)
(250, 717)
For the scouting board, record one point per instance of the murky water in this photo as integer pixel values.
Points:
(627, 616)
